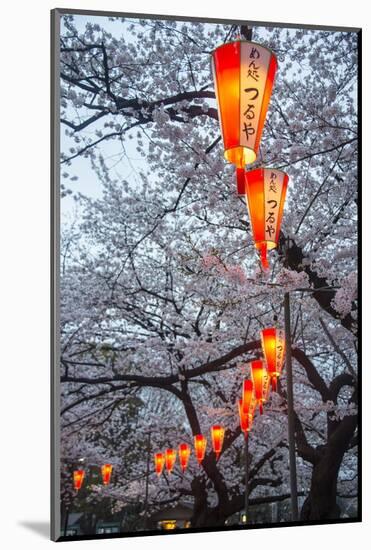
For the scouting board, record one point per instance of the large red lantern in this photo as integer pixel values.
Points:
(258, 372)
(159, 463)
(273, 344)
(217, 437)
(106, 470)
(243, 77)
(200, 447)
(265, 197)
(184, 453)
(170, 458)
(78, 478)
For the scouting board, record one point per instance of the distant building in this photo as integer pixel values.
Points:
(178, 517)
(73, 525)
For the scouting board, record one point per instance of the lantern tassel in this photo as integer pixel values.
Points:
(240, 174)
(263, 256)
(274, 383)
(261, 407)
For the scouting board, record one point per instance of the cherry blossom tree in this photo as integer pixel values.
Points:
(162, 296)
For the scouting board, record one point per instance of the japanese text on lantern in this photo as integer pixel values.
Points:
(280, 349)
(272, 193)
(254, 63)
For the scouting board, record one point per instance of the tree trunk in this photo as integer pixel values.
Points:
(88, 523)
(321, 504)
(203, 515)
(209, 517)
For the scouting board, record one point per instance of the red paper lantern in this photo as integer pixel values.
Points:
(258, 373)
(265, 198)
(273, 344)
(247, 392)
(78, 478)
(184, 453)
(200, 447)
(106, 470)
(245, 421)
(217, 437)
(170, 458)
(243, 77)
(159, 463)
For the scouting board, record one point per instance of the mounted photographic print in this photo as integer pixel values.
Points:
(205, 269)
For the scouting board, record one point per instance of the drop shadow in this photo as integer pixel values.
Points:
(42, 528)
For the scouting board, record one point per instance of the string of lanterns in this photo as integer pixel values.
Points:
(167, 459)
(78, 476)
(243, 76)
(255, 391)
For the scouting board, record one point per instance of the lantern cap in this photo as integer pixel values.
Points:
(239, 41)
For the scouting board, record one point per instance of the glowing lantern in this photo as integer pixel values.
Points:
(245, 422)
(243, 77)
(200, 447)
(246, 406)
(258, 372)
(247, 392)
(78, 478)
(217, 437)
(170, 458)
(184, 452)
(106, 470)
(265, 198)
(159, 463)
(273, 344)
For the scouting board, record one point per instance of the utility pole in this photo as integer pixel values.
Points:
(290, 411)
(147, 481)
(66, 521)
(246, 475)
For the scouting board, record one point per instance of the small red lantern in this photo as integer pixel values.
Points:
(265, 198)
(273, 344)
(78, 478)
(159, 463)
(184, 453)
(257, 374)
(245, 420)
(217, 437)
(200, 447)
(106, 470)
(247, 392)
(243, 77)
(170, 458)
